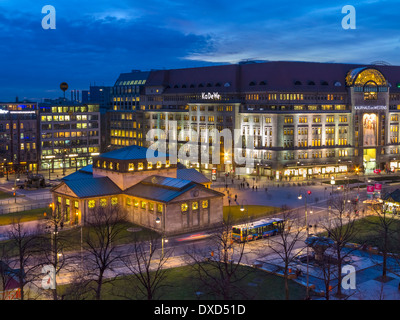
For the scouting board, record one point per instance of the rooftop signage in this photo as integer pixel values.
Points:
(210, 96)
(370, 107)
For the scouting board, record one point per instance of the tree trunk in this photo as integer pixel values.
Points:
(99, 286)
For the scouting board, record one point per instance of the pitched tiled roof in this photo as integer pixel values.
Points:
(78, 175)
(158, 188)
(272, 75)
(93, 187)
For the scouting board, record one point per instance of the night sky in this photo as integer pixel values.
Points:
(94, 41)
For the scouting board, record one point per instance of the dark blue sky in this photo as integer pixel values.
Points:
(94, 41)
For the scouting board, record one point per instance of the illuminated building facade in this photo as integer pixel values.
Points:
(18, 136)
(70, 135)
(147, 188)
(125, 120)
(306, 119)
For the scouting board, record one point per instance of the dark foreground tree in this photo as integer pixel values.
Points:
(105, 226)
(146, 262)
(218, 265)
(340, 227)
(289, 243)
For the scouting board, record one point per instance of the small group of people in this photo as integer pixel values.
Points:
(243, 185)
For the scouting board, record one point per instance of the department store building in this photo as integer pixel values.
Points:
(307, 119)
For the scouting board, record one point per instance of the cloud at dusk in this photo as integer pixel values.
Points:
(95, 41)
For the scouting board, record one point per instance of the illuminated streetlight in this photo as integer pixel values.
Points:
(300, 196)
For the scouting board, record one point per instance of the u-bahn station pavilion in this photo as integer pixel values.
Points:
(146, 187)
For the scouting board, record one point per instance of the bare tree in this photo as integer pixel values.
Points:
(24, 244)
(4, 269)
(285, 245)
(218, 266)
(340, 228)
(53, 245)
(385, 231)
(146, 265)
(106, 225)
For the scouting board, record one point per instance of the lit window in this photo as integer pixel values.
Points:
(151, 206)
(204, 204)
(195, 205)
(91, 203)
(159, 208)
(136, 203)
(143, 205)
(167, 164)
(128, 201)
(140, 166)
(131, 167)
(103, 202)
(149, 165)
(184, 207)
(158, 164)
(114, 201)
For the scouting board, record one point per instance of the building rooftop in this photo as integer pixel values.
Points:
(92, 187)
(266, 76)
(133, 153)
(192, 175)
(395, 196)
(159, 188)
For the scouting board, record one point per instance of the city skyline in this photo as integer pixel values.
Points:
(137, 35)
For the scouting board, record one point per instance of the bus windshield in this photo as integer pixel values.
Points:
(236, 230)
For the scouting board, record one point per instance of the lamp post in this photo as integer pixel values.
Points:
(332, 183)
(305, 208)
(49, 165)
(158, 220)
(247, 219)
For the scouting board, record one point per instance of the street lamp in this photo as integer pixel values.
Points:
(332, 183)
(158, 220)
(247, 219)
(300, 196)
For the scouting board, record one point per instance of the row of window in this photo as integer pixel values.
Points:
(195, 206)
(317, 154)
